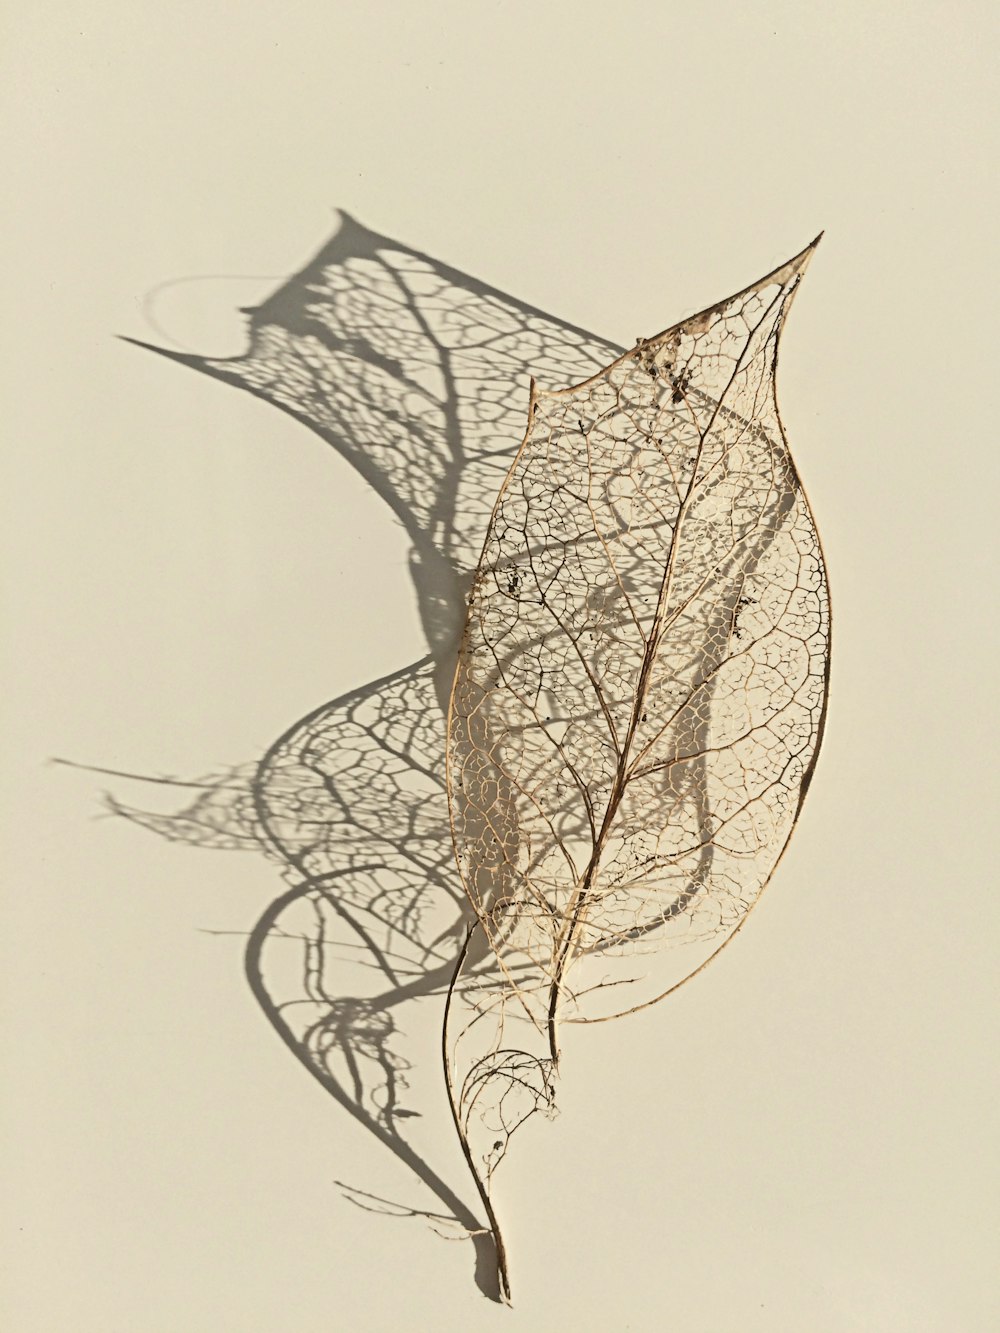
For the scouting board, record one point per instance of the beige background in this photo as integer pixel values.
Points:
(804, 1138)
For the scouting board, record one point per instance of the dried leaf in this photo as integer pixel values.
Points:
(639, 697)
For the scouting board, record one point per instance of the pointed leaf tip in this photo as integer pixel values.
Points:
(801, 260)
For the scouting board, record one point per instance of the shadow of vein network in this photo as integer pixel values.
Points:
(416, 374)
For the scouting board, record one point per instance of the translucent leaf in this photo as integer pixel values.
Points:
(642, 679)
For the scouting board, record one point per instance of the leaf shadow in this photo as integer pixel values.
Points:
(417, 375)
